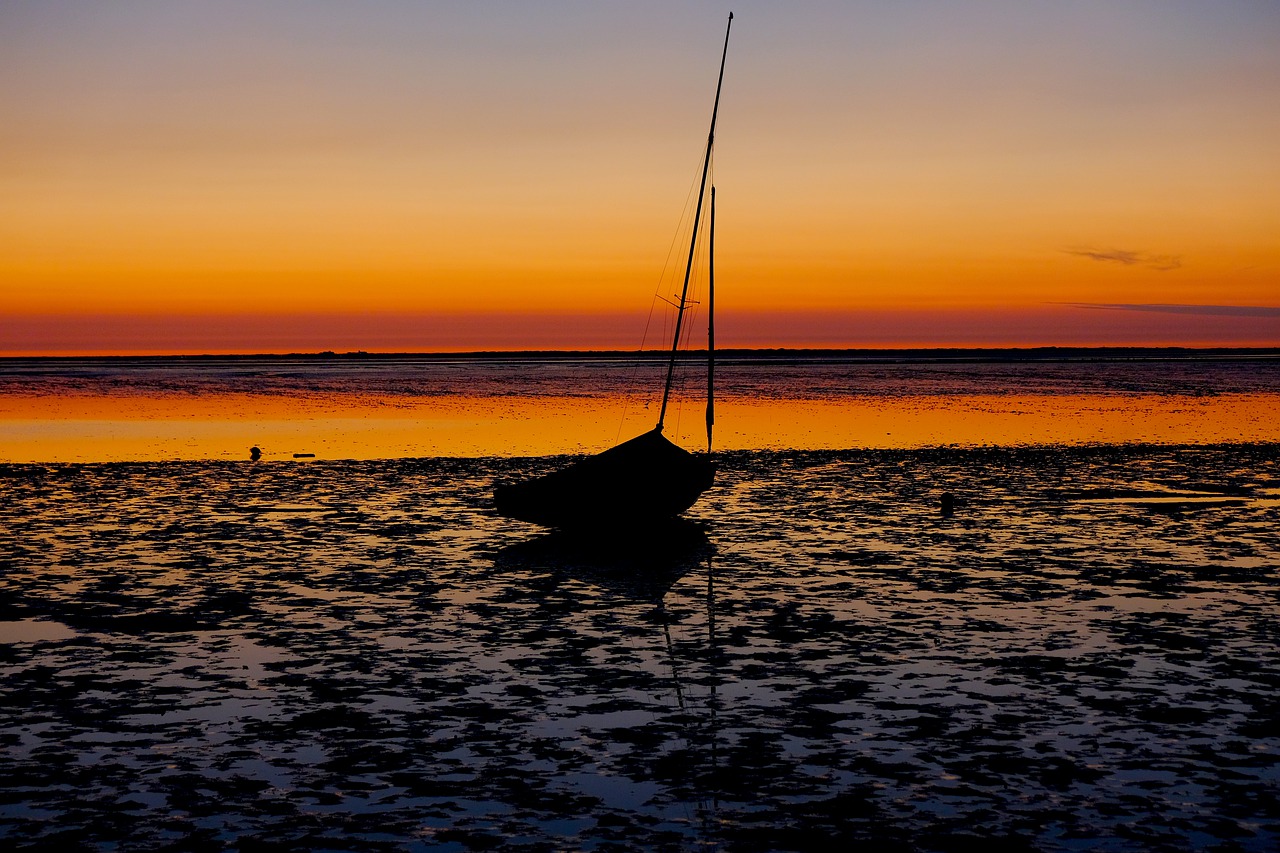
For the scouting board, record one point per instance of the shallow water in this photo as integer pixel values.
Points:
(97, 410)
(361, 656)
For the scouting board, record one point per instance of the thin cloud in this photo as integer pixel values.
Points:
(1128, 258)
(1162, 308)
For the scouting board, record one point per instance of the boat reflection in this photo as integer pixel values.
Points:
(640, 564)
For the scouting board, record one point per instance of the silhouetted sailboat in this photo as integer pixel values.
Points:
(647, 478)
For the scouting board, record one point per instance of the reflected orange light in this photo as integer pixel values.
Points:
(92, 428)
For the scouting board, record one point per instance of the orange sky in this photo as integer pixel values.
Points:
(287, 176)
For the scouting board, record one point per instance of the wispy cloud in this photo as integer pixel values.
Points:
(1129, 258)
(1162, 308)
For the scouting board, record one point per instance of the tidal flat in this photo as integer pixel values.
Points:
(360, 655)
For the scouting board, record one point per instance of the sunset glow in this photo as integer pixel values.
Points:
(244, 177)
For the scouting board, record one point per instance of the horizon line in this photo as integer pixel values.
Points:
(1048, 350)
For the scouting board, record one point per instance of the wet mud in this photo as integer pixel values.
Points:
(1084, 654)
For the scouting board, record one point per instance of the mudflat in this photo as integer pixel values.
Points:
(361, 656)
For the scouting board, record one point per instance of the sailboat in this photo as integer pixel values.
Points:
(647, 479)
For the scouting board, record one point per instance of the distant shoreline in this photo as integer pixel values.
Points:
(776, 355)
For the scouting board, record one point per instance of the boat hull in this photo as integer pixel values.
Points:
(640, 481)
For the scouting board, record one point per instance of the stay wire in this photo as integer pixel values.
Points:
(666, 278)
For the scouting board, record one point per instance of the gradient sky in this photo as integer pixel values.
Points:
(292, 176)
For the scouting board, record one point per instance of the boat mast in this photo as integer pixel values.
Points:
(711, 320)
(693, 241)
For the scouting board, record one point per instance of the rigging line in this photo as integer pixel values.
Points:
(668, 269)
(667, 272)
(680, 378)
(693, 306)
(693, 240)
(667, 263)
(683, 376)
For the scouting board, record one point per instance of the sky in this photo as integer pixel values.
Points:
(233, 176)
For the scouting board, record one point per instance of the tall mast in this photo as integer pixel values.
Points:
(711, 320)
(693, 241)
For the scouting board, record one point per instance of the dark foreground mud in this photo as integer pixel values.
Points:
(360, 656)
